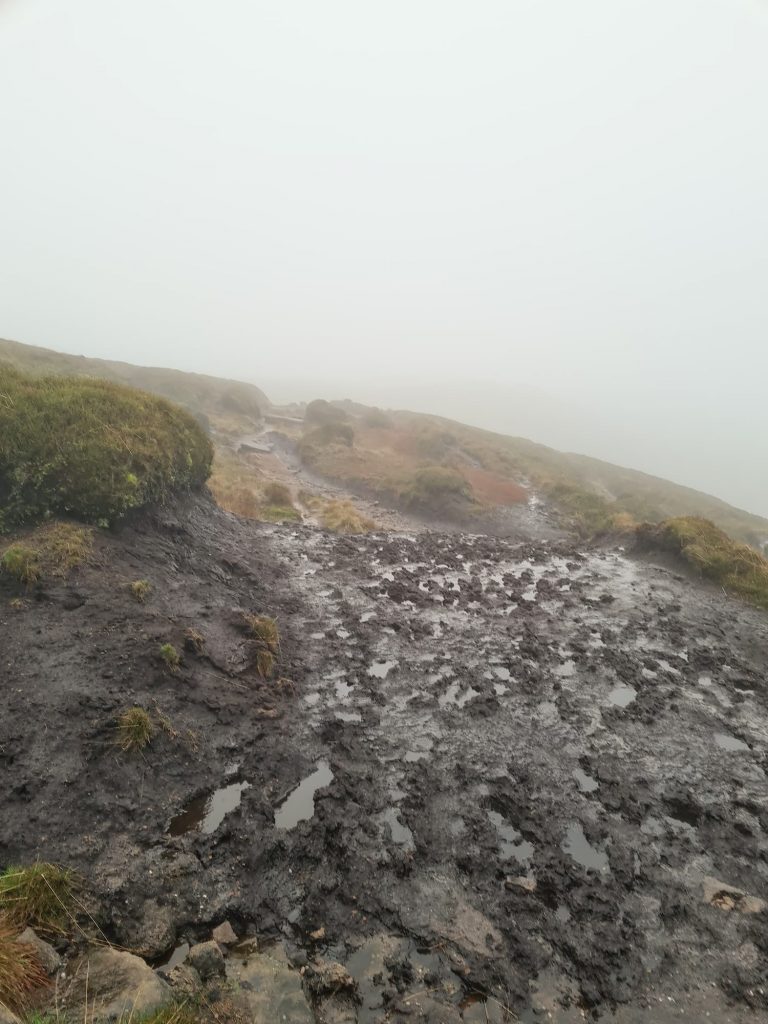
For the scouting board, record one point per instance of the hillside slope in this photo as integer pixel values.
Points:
(214, 397)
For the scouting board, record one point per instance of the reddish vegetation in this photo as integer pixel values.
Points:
(492, 488)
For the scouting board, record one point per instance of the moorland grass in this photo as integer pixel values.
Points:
(40, 895)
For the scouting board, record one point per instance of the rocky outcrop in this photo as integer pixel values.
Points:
(110, 984)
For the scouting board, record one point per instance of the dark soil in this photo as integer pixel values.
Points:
(461, 860)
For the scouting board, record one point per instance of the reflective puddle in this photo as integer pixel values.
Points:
(511, 843)
(577, 846)
(300, 804)
(586, 783)
(206, 813)
(622, 695)
(381, 669)
(400, 833)
(728, 742)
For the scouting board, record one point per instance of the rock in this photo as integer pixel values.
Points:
(727, 897)
(113, 985)
(318, 934)
(268, 989)
(207, 959)
(153, 932)
(520, 882)
(47, 955)
(224, 934)
(327, 976)
(183, 979)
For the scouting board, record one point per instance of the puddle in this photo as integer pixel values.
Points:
(381, 669)
(622, 695)
(577, 846)
(509, 836)
(501, 672)
(566, 669)
(343, 689)
(401, 834)
(453, 697)
(728, 742)
(310, 699)
(206, 813)
(349, 716)
(367, 616)
(500, 689)
(562, 914)
(586, 783)
(300, 804)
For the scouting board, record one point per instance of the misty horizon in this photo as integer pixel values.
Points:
(543, 220)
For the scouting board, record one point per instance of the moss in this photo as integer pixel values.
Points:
(91, 449)
(134, 729)
(736, 567)
(170, 656)
(140, 590)
(41, 895)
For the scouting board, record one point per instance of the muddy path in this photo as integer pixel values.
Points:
(504, 781)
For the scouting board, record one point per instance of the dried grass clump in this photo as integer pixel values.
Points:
(266, 638)
(134, 729)
(41, 896)
(140, 590)
(20, 969)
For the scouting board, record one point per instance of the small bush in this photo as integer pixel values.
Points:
(170, 656)
(277, 494)
(343, 517)
(322, 413)
(41, 896)
(266, 639)
(21, 562)
(140, 590)
(134, 729)
(20, 969)
(433, 486)
(91, 449)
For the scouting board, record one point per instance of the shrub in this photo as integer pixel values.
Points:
(277, 494)
(170, 656)
(735, 566)
(91, 449)
(21, 562)
(322, 413)
(140, 590)
(134, 729)
(41, 896)
(436, 485)
(20, 969)
(343, 517)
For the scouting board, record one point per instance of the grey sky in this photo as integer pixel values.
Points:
(549, 217)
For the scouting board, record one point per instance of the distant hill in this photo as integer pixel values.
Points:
(214, 398)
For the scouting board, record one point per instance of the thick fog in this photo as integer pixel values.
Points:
(541, 216)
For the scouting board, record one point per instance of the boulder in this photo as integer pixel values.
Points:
(183, 979)
(46, 954)
(268, 988)
(207, 959)
(224, 934)
(113, 985)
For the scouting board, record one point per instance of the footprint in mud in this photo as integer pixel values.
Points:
(622, 695)
(509, 846)
(578, 847)
(205, 813)
(299, 805)
(727, 742)
(381, 669)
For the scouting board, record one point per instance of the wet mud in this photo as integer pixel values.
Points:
(494, 779)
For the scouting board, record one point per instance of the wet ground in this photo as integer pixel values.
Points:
(497, 780)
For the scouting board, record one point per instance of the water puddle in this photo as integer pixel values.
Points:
(453, 697)
(381, 669)
(310, 699)
(728, 742)
(508, 845)
(401, 834)
(501, 672)
(343, 689)
(577, 846)
(585, 782)
(300, 804)
(562, 914)
(206, 813)
(566, 669)
(622, 695)
(349, 716)
(367, 616)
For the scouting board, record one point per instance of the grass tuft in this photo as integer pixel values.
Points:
(21, 562)
(277, 494)
(20, 969)
(736, 567)
(266, 636)
(140, 590)
(41, 896)
(134, 729)
(170, 656)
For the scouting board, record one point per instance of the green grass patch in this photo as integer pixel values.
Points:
(41, 896)
(91, 449)
(51, 550)
(170, 656)
(737, 567)
(134, 729)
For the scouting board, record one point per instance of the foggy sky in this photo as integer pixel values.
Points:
(543, 216)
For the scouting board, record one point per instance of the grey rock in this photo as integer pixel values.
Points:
(184, 980)
(207, 959)
(268, 989)
(47, 955)
(112, 985)
(224, 934)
